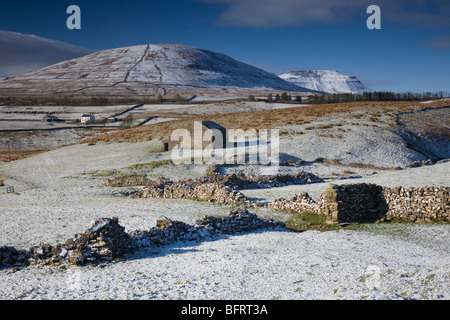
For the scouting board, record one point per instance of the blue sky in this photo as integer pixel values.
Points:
(410, 53)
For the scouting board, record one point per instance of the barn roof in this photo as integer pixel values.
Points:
(212, 125)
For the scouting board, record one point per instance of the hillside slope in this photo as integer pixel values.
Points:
(147, 69)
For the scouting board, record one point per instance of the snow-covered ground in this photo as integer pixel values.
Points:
(377, 146)
(378, 263)
(60, 193)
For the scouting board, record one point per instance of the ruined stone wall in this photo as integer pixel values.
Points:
(210, 187)
(370, 203)
(107, 241)
(236, 181)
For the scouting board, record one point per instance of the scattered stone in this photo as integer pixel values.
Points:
(168, 231)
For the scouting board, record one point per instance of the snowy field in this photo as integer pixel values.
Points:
(59, 193)
(382, 262)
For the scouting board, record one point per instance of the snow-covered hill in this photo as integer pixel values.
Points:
(329, 81)
(147, 69)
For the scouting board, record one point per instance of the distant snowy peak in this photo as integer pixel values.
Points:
(148, 68)
(329, 81)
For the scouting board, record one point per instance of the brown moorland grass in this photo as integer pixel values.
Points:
(267, 119)
(6, 156)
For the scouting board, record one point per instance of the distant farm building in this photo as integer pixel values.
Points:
(199, 135)
(87, 118)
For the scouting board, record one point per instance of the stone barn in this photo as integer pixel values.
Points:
(198, 135)
(87, 118)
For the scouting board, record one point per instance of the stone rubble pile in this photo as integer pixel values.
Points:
(169, 231)
(235, 181)
(107, 241)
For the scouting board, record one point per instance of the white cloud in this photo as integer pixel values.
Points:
(438, 42)
(22, 53)
(274, 13)
(279, 13)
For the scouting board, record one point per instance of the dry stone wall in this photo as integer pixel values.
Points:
(370, 203)
(354, 203)
(430, 204)
(195, 190)
(298, 203)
